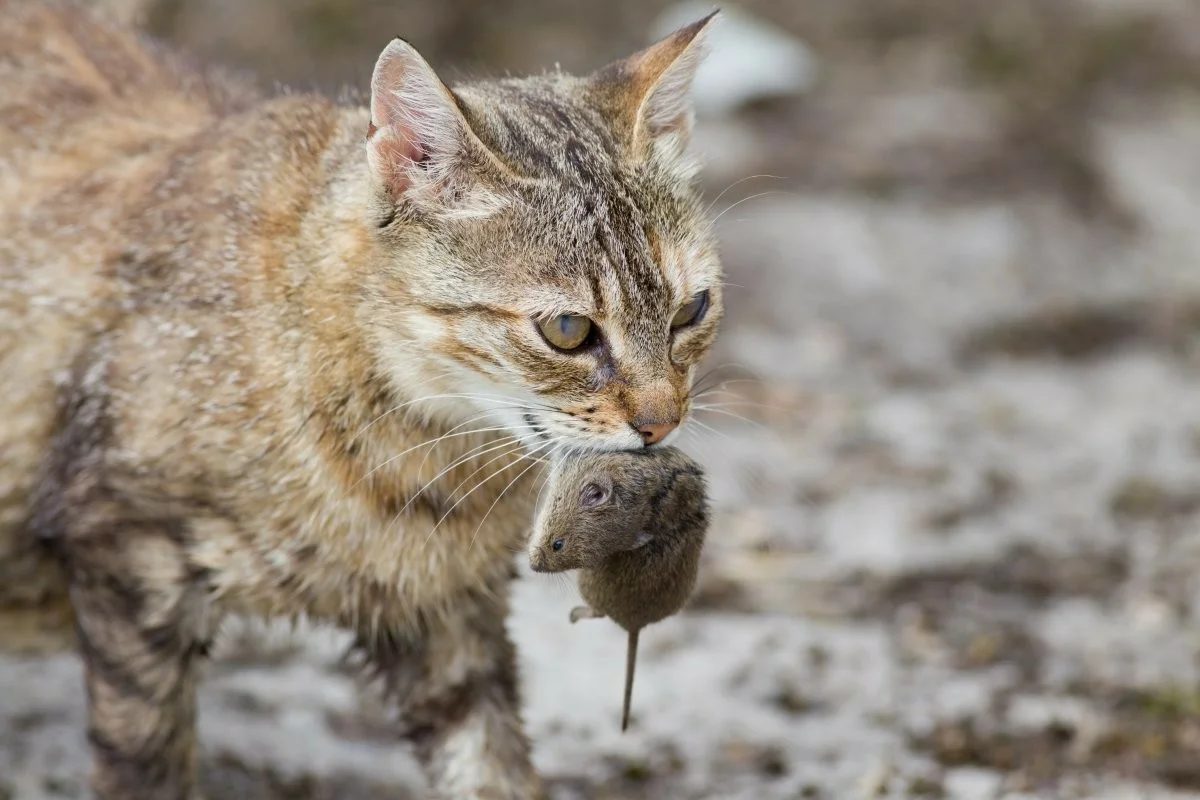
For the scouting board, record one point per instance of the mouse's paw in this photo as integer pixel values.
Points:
(584, 612)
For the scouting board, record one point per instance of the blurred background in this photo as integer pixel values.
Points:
(955, 453)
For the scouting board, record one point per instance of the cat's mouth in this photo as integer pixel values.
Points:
(542, 433)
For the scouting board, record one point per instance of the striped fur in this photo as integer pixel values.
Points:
(232, 328)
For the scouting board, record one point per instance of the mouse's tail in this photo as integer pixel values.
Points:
(630, 664)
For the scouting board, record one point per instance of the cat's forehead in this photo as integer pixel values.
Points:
(544, 127)
(606, 253)
(594, 222)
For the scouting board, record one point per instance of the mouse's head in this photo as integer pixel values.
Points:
(601, 503)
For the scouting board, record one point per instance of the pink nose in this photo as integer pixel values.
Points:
(655, 432)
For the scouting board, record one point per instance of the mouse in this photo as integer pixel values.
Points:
(633, 523)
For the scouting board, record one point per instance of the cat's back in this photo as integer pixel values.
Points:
(85, 89)
(89, 114)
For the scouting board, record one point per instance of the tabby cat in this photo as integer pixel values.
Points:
(284, 356)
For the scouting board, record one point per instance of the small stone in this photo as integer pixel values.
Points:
(638, 771)
(772, 762)
(969, 783)
(875, 782)
(926, 787)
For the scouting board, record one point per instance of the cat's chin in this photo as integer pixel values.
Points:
(578, 444)
(543, 437)
(603, 446)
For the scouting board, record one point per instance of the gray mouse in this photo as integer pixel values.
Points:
(633, 523)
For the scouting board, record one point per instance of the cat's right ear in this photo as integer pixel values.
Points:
(649, 93)
(418, 138)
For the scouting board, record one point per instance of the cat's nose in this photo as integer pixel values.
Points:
(655, 432)
(654, 409)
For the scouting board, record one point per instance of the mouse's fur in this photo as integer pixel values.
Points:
(634, 524)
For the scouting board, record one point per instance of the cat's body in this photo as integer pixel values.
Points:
(218, 313)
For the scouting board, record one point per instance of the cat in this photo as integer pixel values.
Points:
(282, 356)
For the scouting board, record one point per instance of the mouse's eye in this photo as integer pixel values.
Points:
(593, 495)
(557, 545)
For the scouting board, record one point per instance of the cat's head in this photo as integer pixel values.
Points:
(548, 252)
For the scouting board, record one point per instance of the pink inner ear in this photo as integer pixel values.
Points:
(403, 101)
(395, 155)
(397, 145)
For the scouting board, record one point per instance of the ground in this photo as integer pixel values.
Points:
(957, 528)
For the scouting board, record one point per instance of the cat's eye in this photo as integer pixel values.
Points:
(691, 312)
(566, 331)
(557, 545)
(593, 495)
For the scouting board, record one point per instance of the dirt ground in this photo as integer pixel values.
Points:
(958, 472)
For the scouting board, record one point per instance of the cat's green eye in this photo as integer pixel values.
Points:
(691, 312)
(566, 331)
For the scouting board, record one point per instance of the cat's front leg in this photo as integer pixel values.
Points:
(455, 687)
(139, 620)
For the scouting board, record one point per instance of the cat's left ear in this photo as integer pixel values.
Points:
(419, 141)
(651, 91)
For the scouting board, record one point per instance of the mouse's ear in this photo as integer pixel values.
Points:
(595, 493)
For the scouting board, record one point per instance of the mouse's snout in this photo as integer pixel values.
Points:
(544, 556)
(538, 560)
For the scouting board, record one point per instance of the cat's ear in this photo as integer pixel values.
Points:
(652, 90)
(418, 136)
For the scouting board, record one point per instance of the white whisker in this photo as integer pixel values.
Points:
(425, 382)
(737, 183)
(522, 427)
(508, 445)
(431, 443)
(718, 410)
(716, 394)
(513, 450)
(504, 402)
(698, 383)
(717, 218)
(740, 402)
(505, 491)
(474, 488)
(716, 387)
(712, 373)
(691, 436)
(541, 488)
(711, 429)
(486, 447)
